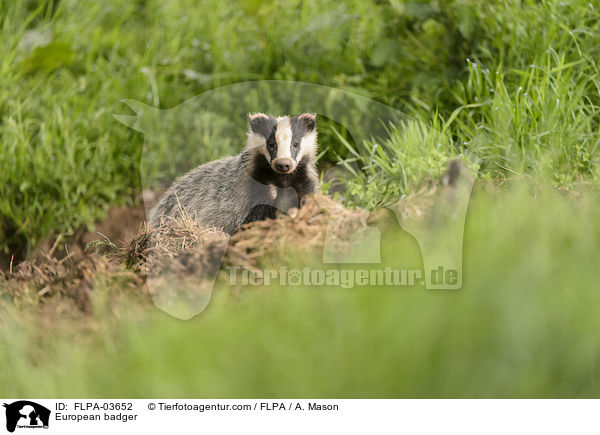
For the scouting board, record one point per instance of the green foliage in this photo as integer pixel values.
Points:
(546, 127)
(514, 83)
(387, 169)
(65, 66)
(525, 324)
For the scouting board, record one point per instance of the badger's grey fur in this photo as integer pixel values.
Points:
(274, 172)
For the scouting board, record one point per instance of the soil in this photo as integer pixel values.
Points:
(121, 250)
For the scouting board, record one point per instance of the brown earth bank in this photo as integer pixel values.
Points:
(122, 252)
(125, 250)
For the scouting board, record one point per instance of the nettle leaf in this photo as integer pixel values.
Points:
(48, 58)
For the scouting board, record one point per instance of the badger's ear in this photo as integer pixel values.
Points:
(257, 121)
(309, 120)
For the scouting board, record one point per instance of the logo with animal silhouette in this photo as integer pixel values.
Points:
(271, 173)
(25, 414)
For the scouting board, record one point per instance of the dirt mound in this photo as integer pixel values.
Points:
(66, 279)
(302, 230)
(177, 249)
(181, 253)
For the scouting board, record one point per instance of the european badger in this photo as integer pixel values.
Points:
(274, 172)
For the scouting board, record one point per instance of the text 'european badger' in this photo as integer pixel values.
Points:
(274, 172)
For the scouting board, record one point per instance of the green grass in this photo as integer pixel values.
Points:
(546, 127)
(379, 173)
(65, 66)
(513, 85)
(524, 325)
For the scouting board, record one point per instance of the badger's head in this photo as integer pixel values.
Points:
(284, 141)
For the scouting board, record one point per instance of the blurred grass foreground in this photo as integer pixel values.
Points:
(513, 83)
(524, 325)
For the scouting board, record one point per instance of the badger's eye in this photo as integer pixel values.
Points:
(295, 145)
(271, 145)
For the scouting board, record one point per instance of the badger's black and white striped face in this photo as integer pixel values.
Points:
(284, 141)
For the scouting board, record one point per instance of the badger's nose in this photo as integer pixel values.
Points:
(283, 165)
